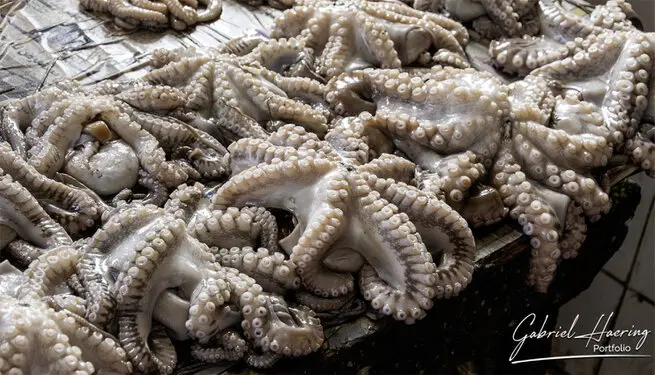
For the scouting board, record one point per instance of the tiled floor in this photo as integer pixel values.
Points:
(624, 289)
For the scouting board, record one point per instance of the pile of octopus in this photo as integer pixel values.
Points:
(237, 199)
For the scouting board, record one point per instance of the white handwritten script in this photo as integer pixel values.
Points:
(525, 330)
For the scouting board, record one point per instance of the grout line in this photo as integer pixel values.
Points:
(614, 277)
(639, 294)
(625, 289)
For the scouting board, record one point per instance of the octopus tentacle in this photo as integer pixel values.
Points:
(390, 166)
(235, 227)
(130, 287)
(270, 269)
(406, 302)
(229, 347)
(49, 271)
(293, 331)
(68, 302)
(262, 360)
(176, 71)
(574, 234)
(533, 207)
(22, 251)
(521, 56)
(184, 201)
(319, 304)
(101, 348)
(100, 302)
(430, 217)
(207, 308)
(16, 117)
(230, 125)
(642, 153)
(82, 208)
(150, 98)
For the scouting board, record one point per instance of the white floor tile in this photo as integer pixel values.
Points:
(641, 315)
(590, 306)
(642, 279)
(620, 263)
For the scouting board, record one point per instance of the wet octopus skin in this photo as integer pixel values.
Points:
(157, 14)
(420, 114)
(562, 34)
(220, 84)
(168, 250)
(350, 35)
(303, 169)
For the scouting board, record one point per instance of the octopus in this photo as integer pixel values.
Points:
(488, 18)
(22, 216)
(615, 91)
(43, 334)
(352, 216)
(145, 264)
(448, 121)
(157, 14)
(543, 173)
(352, 35)
(75, 209)
(563, 34)
(641, 147)
(570, 117)
(237, 94)
(82, 131)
